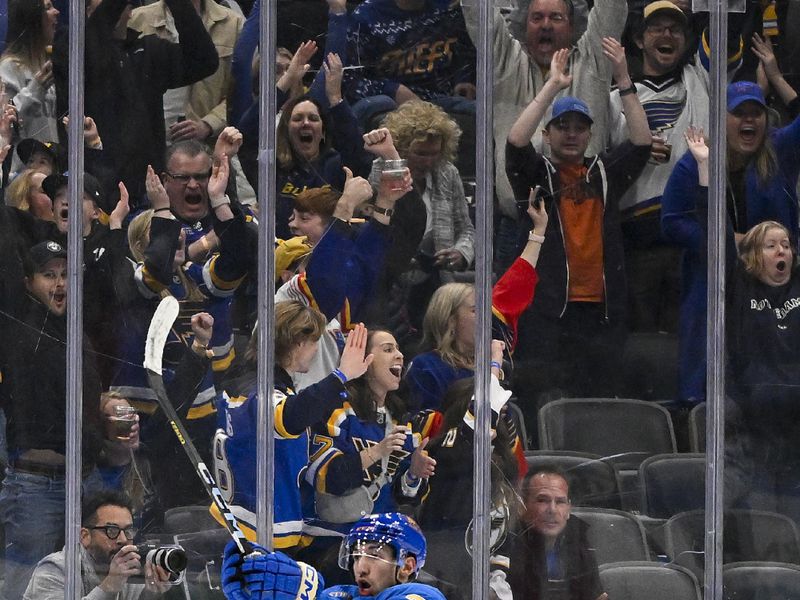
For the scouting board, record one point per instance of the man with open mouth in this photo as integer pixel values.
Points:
(522, 63)
(673, 91)
(34, 369)
(384, 551)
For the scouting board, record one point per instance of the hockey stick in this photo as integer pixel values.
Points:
(160, 326)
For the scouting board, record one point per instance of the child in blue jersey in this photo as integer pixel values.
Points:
(384, 551)
(297, 331)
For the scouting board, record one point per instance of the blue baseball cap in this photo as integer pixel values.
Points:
(568, 104)
(744, 91)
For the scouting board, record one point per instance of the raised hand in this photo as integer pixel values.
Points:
(497, 349)
(333, 78)
(353, 363)
(156, 193)
(229, 141)
(379, 142)
(202, 327)
(762, 48)
(422, 465)
(357, 190)
(121, 210)
(299, 63)
(219, 177)
(615, 53)
(697, 143)
(558, 69)
(536, 211)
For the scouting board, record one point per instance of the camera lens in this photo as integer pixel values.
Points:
(170, 558)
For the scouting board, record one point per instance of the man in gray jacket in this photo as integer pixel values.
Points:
(520, 70)
(107, 554)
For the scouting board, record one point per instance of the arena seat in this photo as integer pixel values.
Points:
(651, 580)
(671, 484)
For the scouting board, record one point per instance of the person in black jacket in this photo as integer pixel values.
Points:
(550, 557)
(33, 496)
(763, 374)
(577, 320)
(125, 80)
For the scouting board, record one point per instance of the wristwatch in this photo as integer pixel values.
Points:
(388, 212)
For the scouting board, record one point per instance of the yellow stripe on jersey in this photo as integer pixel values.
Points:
(198, 412)
(223, 363)
(500, 316)
(337, 417)
(219, 283)
(280, 428)
(322, 473)
(306, 290)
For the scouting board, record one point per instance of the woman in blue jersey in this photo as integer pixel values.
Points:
(369, 439)
(366, 448)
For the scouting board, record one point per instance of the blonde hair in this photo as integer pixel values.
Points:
(420, 121)
(750, 248)
(295, 323)
(438, 327)
(138, 238)
(20, 190)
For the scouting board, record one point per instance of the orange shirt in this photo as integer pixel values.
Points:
(582, 221)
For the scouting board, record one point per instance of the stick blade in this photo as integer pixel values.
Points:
(160, 325)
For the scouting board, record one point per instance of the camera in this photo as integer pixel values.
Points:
(170, 558)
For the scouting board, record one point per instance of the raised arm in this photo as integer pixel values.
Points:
(199, 58)
(762, 48)
(635, 117)
(526, 124)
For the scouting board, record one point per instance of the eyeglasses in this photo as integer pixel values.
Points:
(185, 178)
(112, 531)
(661, 29)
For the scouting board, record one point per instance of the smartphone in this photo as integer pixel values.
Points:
(539, 194)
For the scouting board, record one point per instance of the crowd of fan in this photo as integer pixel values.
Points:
(601, 185)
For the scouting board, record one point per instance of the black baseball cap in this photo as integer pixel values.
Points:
(91, 187)
(29, 146)
(41, 254)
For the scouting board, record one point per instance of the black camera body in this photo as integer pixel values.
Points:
(170, 558)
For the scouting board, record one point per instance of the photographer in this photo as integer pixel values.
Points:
(107, 554)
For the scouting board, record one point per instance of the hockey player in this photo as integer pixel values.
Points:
(385, 552)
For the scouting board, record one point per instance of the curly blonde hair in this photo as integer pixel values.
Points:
(419, 121)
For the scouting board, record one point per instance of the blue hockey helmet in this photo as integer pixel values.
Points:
(393, 529)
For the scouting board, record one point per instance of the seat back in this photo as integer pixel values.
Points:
(187, 519)
(204, 551)
(648, 580)
(697, 428)
(592, 482)
(650, 366)
(672, 483)
(757, 580)
(614, 535)
(609, 427)
(748, 535)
